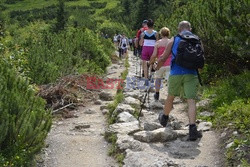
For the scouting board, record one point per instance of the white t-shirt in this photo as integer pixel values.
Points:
(124, 43)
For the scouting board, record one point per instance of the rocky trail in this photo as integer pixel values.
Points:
(79, 142)
(147, 144)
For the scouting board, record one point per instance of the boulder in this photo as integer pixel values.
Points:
(132, 101)
(106, 96)
(105, 111)
(158, 135)
(98, 102)
(124, 108)
(204, 126)
(123, 128)
(126, 117)
(203, 103)
(102, 107)
(135, 94)
(127, 142)
(156, 105)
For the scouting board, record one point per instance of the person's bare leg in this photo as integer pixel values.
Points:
(191, 111)
(168, 104)
(145, 69)
(157, 84)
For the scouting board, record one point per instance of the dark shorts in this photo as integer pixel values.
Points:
(147, 52)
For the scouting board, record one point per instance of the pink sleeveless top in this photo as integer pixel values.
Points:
(160, 50)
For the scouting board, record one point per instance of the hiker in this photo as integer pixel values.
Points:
(133, 45)
(180, 79)
(159, 48)
(137, 40)
(147, 41)
(138, 36)
(130, 43)
(106, 36)
(123, 45)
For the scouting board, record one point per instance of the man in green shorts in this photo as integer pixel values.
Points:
(181, 81)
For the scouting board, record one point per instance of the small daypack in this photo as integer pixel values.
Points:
(189, 52)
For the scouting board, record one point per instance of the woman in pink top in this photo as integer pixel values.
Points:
(159, 48)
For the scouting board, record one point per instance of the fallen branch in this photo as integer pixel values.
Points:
(55, 111)
(84, 89)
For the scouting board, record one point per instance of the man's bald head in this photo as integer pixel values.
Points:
(184, 25)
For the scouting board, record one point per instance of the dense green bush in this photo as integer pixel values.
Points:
(223, 28)
(98, 5)
(233, 88)
(24, 123)
(54, 55)
(27, 16)
(81, 16)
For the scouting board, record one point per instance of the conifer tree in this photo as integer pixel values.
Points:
(143, 12)
(61, 16)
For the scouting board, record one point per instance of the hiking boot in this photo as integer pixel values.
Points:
(156, 96)
(163, 119)
(193, 133)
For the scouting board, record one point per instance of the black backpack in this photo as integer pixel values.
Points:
(190, 54)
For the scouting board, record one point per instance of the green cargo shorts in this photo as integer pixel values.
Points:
(183, 85)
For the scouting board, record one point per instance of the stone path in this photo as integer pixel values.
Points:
(147, 144)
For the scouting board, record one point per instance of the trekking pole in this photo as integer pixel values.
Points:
(151, 80)
(147, 92)
(143, 102)
(136, 72)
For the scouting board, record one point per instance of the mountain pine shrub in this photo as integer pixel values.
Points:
(24, 123)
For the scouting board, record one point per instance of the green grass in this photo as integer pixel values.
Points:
(113, 150)
(231, 105)
(111, 107)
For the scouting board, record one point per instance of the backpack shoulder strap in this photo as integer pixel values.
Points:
(173, 44)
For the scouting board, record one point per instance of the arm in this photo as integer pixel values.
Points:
(157, 36)
(153, 57)
(166, 54)
(137, 38)
(142, 39)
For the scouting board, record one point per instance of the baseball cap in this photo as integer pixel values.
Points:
(145, 21)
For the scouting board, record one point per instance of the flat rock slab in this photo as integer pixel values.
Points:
(150, 126)
(123, 128)
(158, 135)
(126, 117)
(146, 159)
(182, 149)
